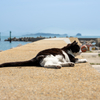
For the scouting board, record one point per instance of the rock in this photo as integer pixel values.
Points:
(78, 34)
(19, 45)
(0, 50)
(98, 42)
(26, 39)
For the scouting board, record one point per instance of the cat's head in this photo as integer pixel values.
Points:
(73, 48)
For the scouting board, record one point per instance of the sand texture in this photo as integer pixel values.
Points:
(81, 82)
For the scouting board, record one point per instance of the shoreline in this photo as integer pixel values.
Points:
(39, 39)
(32, 39)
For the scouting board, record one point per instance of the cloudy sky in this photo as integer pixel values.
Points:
(50, 16)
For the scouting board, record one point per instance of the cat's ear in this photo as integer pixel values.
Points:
(74, 43)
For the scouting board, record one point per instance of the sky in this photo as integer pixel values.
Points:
(50, 16)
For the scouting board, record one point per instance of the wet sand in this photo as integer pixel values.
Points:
(81, 82)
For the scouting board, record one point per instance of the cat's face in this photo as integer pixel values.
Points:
(75, 49)
(77, 53)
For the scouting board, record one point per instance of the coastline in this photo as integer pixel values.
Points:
(23, 41)
(5, 45)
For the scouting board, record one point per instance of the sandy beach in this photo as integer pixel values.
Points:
(81, 82)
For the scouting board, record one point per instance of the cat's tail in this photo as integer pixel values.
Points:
(32, 62)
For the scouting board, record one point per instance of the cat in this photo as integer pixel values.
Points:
(53, 58)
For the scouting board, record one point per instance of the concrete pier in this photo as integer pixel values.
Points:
(81, 82)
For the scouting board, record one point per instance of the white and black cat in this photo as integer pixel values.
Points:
(53, 58)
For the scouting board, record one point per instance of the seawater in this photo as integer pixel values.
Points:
(5, 45)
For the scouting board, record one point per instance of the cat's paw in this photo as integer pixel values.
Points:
(85, 60)
(81, 61)
(71, 64)
(53, 66)
(58, 67)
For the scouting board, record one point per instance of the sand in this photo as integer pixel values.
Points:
(81, 82)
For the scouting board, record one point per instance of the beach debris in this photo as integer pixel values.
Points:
(84, 48)
(92, 44)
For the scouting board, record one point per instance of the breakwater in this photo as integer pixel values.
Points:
(90, 40)
(26, 39)
(32, 39)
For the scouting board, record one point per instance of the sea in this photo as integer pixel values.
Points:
(5, 45)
